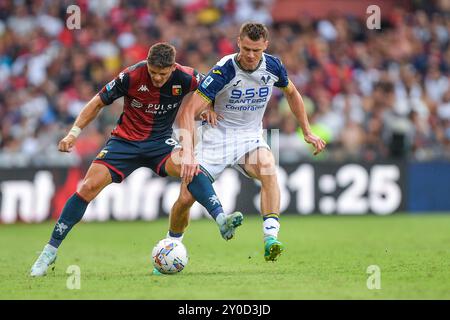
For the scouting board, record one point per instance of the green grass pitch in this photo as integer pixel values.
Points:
(326, 257)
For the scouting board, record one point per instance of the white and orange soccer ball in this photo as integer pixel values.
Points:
(169, 256)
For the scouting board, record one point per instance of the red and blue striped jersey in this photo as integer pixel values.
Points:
(148, 112)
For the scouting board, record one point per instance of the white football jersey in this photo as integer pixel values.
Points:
(241, 96)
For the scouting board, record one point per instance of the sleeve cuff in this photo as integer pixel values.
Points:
(203, 96)
(102, 97)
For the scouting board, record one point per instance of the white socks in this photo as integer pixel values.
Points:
(271, 227)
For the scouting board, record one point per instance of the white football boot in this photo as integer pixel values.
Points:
(229, 223)
(45, 260)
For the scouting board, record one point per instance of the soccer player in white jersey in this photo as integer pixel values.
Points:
(240, 86)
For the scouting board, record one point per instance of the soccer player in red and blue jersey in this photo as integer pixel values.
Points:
(153, 91)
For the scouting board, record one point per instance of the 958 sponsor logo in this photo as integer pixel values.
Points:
(250, 95)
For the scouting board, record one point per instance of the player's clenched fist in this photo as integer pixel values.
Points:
(66, 144)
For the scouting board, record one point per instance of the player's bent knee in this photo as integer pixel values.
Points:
(172, 165)
(265, 165)
(266, 171)
(89, 189)
(267, 175)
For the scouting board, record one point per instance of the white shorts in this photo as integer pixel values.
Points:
(216, 151)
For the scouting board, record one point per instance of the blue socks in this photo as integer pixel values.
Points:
(200, 187)
(203, 191)
(72, 213)
(175, 236)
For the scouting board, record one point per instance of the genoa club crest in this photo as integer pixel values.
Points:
(176, 90)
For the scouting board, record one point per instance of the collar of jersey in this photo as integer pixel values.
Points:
(248, 71)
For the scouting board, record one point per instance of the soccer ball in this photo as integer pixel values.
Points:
(169, 256)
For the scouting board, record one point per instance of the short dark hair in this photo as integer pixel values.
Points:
(254, 31)
(161, 55)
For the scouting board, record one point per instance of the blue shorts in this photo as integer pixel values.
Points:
(122, 157)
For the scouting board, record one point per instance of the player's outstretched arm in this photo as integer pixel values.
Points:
(298, 108)
(190, 109)
(87, 114)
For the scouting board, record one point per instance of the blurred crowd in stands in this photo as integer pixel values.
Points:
(372, 94)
